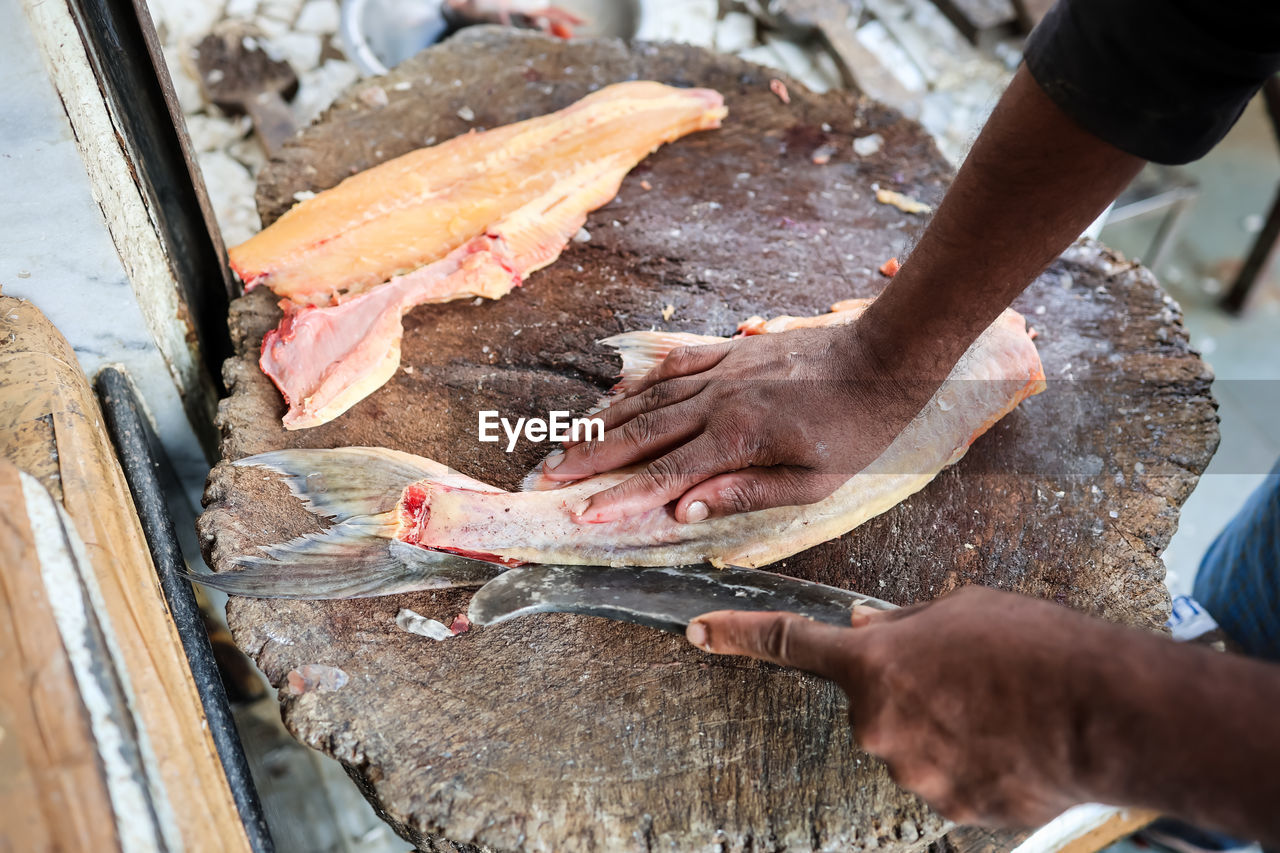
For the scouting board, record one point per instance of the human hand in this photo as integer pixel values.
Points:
(757, 422)
(978, 702)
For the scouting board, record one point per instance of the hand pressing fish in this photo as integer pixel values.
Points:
(401, 522)
(470, 217)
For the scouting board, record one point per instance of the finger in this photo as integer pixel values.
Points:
(658, 396)
(751, 489)
(682, 361)
(662, 481)
(787, 639)
(656, 388)
(643, 437)
(864, 614)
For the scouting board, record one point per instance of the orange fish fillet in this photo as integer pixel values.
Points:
(415, 209)
(471, 217)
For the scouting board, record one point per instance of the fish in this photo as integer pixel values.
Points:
(404, 522)
(471, 217)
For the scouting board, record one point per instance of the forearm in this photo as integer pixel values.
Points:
(1032, 183)
(1185, 731)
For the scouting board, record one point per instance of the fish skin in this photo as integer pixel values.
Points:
(443, 511)
(403, 214)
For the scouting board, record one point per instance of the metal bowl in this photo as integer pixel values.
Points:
(380, 34)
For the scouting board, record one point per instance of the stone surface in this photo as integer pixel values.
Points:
(573, 733)
(734, 32)
(320, 17)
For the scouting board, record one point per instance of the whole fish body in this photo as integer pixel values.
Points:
(392, 509)
(472, 216)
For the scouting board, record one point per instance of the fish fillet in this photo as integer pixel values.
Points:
(394, 510)
(403, 214)
(472, 217)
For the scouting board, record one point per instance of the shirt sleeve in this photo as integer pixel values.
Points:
(1160, 79)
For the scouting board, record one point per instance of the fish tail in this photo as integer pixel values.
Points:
(348, 482)
(354, 559)
(359, 488)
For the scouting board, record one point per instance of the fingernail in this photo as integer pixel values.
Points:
(696, 512)
(863, 615)
(580, 508)
(553, 459)
(696, 633)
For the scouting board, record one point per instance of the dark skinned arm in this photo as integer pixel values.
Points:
(777, 420)
(1000, 709)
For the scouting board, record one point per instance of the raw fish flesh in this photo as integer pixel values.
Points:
(399, 517)
(471, 217)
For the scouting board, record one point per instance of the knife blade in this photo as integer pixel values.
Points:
(667, 598)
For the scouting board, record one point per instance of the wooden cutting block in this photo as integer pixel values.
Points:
(571, 733)
(51, 427)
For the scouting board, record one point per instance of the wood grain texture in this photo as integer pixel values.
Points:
(48, 412)
(52, 792)
(573, 733)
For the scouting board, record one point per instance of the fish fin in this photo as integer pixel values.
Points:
(642, 351)
(354, 559)
(538, 481)
(355, 481)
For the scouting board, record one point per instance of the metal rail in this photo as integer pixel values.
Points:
(137, 449)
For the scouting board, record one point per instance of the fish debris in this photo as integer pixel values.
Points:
(415, 623)
(905, 203)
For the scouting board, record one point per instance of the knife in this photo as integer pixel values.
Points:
(667, 598)
(663, 597)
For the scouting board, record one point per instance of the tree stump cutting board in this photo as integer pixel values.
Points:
(572, 733)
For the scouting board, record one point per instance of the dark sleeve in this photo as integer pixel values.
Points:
(1161, 79)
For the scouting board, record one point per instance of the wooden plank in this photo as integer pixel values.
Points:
(1117, 824)
(571, 733)
(52, 792)
(43, 384)
(1086, 828)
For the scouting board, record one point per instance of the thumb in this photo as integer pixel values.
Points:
(787, 639)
